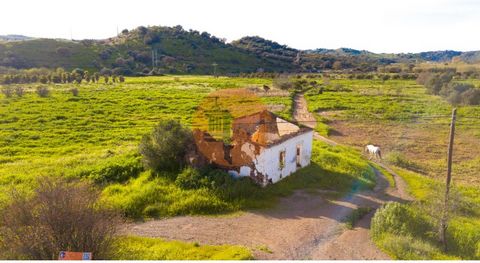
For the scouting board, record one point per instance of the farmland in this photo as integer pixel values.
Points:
(95, 136)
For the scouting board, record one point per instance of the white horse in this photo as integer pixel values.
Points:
(373, 151)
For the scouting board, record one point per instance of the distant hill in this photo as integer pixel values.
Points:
(6, 38)
(175, 50)
(341, 52)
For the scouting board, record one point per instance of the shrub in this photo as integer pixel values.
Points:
(409, 248)
(356, 215)
(19, 91)
(60, 216)
(283, 82)
(114, 170)
(74, 91)
(191, 178)
(7, 91)
(398, 219)
(164, 149)
(43, 91)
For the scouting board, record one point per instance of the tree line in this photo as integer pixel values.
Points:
(59, 76)
(443, 83)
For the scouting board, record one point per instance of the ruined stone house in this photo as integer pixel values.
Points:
(261, 145)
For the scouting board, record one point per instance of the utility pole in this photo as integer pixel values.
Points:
(154, 58)
(215, 69)
(443, 221)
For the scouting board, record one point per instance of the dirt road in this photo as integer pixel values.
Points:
(301, 226)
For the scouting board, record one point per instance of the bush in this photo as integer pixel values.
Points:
(114, 170)
(19, 91)
(398, 219)
(60, 216)
(191, 178)
(43, 91)
(74, 91)
(409, 248)
(283, 82)
(356, 215)
(7, 91)
(164, 149)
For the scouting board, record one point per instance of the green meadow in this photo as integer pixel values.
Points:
(95, 136)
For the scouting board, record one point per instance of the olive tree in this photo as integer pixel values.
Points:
(164, 149)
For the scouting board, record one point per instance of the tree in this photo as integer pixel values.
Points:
(96, 76)
(337, 65)
(61, 215)
(43, 79)
(164, 149)
(105, 77)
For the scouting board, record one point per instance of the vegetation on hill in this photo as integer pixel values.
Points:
(157, 50)
(443, 84)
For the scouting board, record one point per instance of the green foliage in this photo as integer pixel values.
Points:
(164, 149)
(113, 170)
(157, 196)
(410, 248)
(191, 178)
(409, 231)
(398, 219)
(356, 215)
(142, 248)
(455, 92)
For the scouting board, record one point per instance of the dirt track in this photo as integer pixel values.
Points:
(302, 226)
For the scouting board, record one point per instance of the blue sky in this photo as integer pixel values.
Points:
(375, 25)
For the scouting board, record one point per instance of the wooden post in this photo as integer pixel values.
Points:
(443, 222)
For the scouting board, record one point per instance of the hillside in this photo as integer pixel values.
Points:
(177, 51)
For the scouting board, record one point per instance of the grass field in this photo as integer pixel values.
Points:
(406, 122)
(135, 248)
(411, 235)
(412, 129)
(95, 135)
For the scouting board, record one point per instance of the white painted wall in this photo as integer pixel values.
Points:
(268, 161)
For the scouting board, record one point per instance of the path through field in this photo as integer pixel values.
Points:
(302, 226)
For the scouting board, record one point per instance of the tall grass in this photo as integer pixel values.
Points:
(142, 248)
(410, 231)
